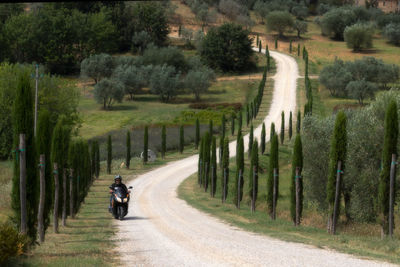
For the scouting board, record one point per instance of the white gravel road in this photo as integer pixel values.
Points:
(162, 230)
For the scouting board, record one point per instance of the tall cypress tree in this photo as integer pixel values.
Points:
(276, 43)
(251, 137)
(337, 153)
(251, 111)
(200, 162)
(268, 58)
(221, 150)
(272, 131)
(263, 139)
(273, 163)
(211, 127)
(297, 161)
(128, 149)
(181, 139)
(213, 169)
(93, 156)
(109, 154)
(240, 120)
(239, 167)
(225, 168)
(146, 144)
(97, 158)
(247, 115)
(23, 124)
(206, 160)
(298, 50)
(290, 126)
(282, 127)
(298, 122)
(233, 123)
(253, 164)
(259, 47)
(223, 121)
(197, 136)
(44, 134)
(164, 141)
(389, 148)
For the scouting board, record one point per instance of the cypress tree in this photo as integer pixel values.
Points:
(146, 144)
(240, 120)
(223, 120)
(206, 161)
(23, 124)
(247, 115)
(290, 126)
(258, 39)
(297, 161)
(109, 154)
(251, 137)
(389, 148)
(337, 153)
(272, 131)
(263, 139)
(128, 149)
(239, 167)
(213, 168)
(200, 162)
(181, 139)
(259, 47)
(197, 137)
(298, 50)
(225, 168)
(164, 141)
(268, 58)
(273, 163)
(253, 164)
(276, 43)
(211, 127)
(221, 150)
(251, 111)
(298, 122)
(73, 164)
(282, 127)
(290, 47)
(44, 134)
(233, 124)
(93, 157)
(97, 159)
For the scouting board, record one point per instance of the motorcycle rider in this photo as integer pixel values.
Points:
(117, 183)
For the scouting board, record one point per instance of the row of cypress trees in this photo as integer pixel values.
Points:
(67, 167)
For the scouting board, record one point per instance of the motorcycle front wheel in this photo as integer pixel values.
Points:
(121, 212)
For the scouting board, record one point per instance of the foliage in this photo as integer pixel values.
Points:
(335, 21)
(22, 115)
(197, 138)
(217, 54)
(273, 164)
(164, 81)
(133, 78)
(389, 148)
(279, 21)
(171, 56)
(225, 166)
(301, 27)
(298, 122)
(239, 168)
(392, 32)
(214, 165)
(97, 67)
(263, 139)
(335, 77)
(198, 81)
(282, 133)
(261, 9)
(360, 90)
(358, 36)
(290, 126)
(297, 161)
(109, 154)
(12, 242)
(140, 41)
(251, 140)
(253, 172)
(107, 91)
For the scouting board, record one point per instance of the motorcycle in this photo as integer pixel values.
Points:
(119, 201)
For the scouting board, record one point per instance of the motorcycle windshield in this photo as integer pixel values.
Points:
(120, 192)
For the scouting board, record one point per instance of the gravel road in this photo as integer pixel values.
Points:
(162, 230)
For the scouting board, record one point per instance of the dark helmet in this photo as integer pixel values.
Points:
(117, 177)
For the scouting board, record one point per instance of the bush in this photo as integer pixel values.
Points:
(358, 36)
(392, 32)
(279, 21)
(227, 48)
(12, 243)
(235, 106)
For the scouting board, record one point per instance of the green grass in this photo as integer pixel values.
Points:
(358, 239)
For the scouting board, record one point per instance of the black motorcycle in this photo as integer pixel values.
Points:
(119, 202)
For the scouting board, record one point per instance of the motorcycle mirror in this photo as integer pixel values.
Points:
(130, 187)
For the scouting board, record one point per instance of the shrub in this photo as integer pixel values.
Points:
(358, 36)
(12, 243)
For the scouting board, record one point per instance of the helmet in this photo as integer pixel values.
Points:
(117, 177)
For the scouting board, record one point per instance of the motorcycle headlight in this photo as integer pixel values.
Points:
(118, 199)
(125, 200)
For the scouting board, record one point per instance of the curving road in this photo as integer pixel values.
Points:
(165, 231)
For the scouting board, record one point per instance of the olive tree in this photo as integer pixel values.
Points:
(97, 67)
(107, 91)
(392, 32)
(198, 81)
(279, 21)
(360, 90)
(165, 82)
(358, 36)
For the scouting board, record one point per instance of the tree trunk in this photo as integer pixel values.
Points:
(64, 211)
(56, 196)
(42, 199)
(22, 182)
